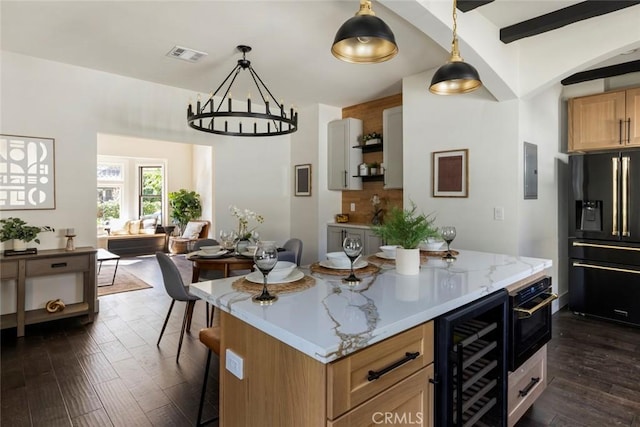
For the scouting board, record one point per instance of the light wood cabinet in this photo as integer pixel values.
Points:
(20, 268)
(282, 386)
(392, 152)
(604, 121)
(526, 384)
(344, 159)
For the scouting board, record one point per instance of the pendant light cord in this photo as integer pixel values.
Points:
(455, 51)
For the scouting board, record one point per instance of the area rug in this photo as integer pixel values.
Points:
(125, 281)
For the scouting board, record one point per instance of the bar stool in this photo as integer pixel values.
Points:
(210, 337)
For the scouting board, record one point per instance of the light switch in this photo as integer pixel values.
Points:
(234, 364)
(353, 207)
(498, 213)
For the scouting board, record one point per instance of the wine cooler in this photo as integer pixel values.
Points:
(471, 364)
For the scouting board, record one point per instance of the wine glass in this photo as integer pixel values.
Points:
(265, 257)
(448, 233)
(227, 239)
(352, 246)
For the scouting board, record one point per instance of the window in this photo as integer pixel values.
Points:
(151, 181)
(110, 186)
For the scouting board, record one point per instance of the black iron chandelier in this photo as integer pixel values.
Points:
(210, 118)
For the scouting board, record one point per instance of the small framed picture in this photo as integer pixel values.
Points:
(450, 173)
(303, 180)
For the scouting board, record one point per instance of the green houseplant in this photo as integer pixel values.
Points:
(17, 230)
(406, 228)
(185, 206)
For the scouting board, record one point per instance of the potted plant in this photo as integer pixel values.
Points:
(17, 230)
(371, 138)
(185, 206)
(406, 229)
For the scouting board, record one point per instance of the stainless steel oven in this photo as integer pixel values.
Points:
(530, 323)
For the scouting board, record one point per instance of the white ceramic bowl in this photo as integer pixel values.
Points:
(339, 259)
(211, 249)
(389, 250)
(432, 246)
(281, 270)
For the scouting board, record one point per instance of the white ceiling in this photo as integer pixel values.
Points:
(291, 42)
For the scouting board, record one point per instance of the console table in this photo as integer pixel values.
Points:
(48, 263)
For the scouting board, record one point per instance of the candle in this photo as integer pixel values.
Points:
(70, 232)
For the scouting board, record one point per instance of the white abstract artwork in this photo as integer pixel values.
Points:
(27, 175)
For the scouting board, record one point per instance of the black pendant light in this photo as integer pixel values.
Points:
(365, 38)
(456, 76)
(212, 118)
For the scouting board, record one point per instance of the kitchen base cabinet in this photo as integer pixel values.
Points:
(526, 384)
(281, 386)
(337, 233)
(21, 268)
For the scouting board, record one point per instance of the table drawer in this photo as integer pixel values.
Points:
(526, 384)
(9, 270)
(57, 265)
(348, 379)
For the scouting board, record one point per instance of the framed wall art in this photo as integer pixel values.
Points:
(27, 173)
(303, 180)
(450, 173)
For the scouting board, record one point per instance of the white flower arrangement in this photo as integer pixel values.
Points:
(244, 215)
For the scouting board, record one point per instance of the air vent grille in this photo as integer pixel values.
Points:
(186, 54)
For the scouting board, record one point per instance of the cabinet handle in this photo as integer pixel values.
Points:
(59, 265)
(620, 132)
(373, 375)
(345, 179)
(602, 267)
(527, 389)
(629, 131)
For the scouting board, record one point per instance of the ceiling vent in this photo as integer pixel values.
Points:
(186, 54)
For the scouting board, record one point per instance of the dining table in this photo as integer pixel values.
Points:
(225, 263)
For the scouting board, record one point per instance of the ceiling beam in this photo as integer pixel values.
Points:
(467, 5)
(561, 17)
(602, 73)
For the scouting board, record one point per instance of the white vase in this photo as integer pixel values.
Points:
(408, 261)
(19, 245)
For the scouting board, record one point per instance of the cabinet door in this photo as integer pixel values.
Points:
(372, 243)
(597, 122)
(392, 154)
(633, 117)
(343, 158)
(335, 236)
(409, 402)
(337, 134)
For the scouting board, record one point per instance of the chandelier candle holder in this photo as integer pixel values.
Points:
(212, 118)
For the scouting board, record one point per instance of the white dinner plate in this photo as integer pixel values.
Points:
(356, 265)
(203, 254)
(383, 256)
(256, 277)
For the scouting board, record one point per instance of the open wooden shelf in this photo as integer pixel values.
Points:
(369, 178)
(372, 148)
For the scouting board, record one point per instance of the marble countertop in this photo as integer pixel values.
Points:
(350, 224)
(332, 319)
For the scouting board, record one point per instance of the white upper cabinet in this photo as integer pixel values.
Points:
(392, 154)
(343, 157)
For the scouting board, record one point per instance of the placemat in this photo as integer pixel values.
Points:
(423, 257)
(368, 270)
(244, 285)
(438, 253)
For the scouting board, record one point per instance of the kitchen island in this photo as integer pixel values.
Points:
(306, 358)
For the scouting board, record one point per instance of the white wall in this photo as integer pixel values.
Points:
(309, 215)
(74, 104)
(543, 221)
(489, 130)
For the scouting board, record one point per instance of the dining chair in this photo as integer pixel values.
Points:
(176, 289)
(294, 245)
(210, 337)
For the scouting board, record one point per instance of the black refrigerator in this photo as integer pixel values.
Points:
(604, 235)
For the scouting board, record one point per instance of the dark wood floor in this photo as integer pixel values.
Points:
(110, 372)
